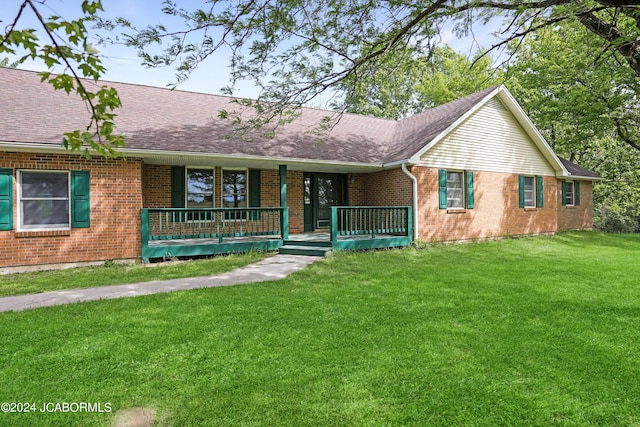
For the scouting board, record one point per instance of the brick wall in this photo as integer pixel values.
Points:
(496, 212)
(388, 188)
(356, 189)
(116, 199)
(576, 217)
(156, 186)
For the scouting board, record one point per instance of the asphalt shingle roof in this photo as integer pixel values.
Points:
(155, 118)
(576, 170)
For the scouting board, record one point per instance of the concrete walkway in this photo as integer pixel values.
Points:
(273, 268)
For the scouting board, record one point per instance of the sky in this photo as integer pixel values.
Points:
(123, 64)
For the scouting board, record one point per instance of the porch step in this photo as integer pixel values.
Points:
(313, 243)
(304, 250)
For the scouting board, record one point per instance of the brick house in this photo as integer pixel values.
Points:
(472, 168)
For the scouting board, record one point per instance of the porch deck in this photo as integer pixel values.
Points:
(168, 233)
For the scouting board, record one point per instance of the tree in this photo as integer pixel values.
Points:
(295, 50)
(396, 88)
(67, 44)
(587, 111)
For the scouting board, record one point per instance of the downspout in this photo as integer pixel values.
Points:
(415, 199)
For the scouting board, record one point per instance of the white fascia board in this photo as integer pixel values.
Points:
(398, 163)
(584, 178)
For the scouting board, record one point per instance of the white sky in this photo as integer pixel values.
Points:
(123, 64)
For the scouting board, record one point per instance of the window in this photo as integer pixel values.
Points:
(456, 189)
(234, 189)
(530, 191)
(44, 200)
(570, 193)
(199, 188)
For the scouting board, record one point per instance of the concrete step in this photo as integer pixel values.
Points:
(324, 244)
(304, 250)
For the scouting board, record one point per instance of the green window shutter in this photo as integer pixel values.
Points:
(521, 191)
(6, 199)
(254, 192)
(442, 188)
(178, 185)
(254, 188)
(80, 199)
(564, 193)
(576, 196)
(470, 199)
(540, 193)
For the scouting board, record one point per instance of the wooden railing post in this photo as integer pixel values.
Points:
(144, 230)
(284, 226)
(410, 222)
(334, 225)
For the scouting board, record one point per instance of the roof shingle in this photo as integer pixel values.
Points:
(155, 118)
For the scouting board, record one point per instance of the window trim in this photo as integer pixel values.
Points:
(186, 185)
(20, 211)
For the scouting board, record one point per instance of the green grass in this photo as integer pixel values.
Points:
(117, 274)
(531, 332)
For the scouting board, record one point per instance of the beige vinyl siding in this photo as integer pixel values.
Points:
(490, 140)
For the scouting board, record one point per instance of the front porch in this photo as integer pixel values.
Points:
(178, 232)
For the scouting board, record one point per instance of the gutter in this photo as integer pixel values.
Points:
(415, 198)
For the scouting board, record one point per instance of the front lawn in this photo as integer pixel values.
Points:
(118, 274)
(533, 332)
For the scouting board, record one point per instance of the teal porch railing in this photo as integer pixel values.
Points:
(385, 226)
(164, 229)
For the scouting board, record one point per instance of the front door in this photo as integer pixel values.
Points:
(321, 191)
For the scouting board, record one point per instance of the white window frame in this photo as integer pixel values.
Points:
(213, 185)
(246, 189)
(43, 227)
(462, 190)
(572, 192)
(532, 202)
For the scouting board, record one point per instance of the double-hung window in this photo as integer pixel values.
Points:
(44, 201)
(234, 188)
(530, 190)
(199, 188)
(234, 192)
(455, 189)
(570, 193)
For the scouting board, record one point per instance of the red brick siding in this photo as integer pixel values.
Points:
(116, 199)
(576, 217)
(388, 188)
(356, 189)
(156, 184)
(496, 211)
